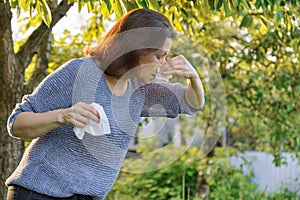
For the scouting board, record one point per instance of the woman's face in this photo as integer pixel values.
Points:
(150, 62)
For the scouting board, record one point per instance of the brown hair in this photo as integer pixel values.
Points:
(138, 32)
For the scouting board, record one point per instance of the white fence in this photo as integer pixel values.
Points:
(266, 174)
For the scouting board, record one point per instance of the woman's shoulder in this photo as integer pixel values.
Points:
(75, 66)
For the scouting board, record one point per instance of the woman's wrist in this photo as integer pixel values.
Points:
(60, 116)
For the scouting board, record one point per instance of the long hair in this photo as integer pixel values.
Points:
(138, 32)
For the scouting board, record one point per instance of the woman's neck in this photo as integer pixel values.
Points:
(117, 86)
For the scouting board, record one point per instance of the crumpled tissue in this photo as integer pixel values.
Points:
(94, 128)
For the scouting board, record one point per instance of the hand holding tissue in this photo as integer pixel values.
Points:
(94, 128)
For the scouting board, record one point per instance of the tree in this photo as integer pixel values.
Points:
(13, 65)
(191, 17)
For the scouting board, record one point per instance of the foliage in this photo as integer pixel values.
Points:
(179, 179)
(184, 13)
(260, 67)
(260, 71)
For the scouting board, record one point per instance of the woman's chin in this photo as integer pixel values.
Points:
(147, 80)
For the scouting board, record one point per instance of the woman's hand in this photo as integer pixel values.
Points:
(181, 66)
(79, 115)
(26, 125)
(194, 93)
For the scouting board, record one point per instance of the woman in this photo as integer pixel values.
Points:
(118, 74)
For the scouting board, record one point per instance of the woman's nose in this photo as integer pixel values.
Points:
(163, 61)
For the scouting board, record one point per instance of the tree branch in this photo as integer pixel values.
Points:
(30, 48)
(41, 66)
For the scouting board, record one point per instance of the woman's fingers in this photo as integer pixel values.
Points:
(88, 111)
(181, 66)
(80, 114)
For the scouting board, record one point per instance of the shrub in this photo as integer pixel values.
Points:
(179, 179)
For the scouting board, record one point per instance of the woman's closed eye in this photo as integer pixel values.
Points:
(161, 55)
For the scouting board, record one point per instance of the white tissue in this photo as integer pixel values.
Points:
(160, 77)
(94, 128)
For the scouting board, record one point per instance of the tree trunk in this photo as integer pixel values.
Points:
(11, 83)
(12, 67)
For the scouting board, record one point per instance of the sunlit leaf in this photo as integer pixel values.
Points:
(90, 5)
(80, 5)
(108, 4)
(25, 4)
(104, 11)
(263, 29)
(117, 7)
(45, 11)
(205, 8)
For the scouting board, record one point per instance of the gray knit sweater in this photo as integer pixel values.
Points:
(58, 163)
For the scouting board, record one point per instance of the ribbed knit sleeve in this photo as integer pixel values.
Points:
(166, 100)
(54, 92)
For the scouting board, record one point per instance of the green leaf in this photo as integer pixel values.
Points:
(247, 21)
(130, 4)
(153, 4)
(278, 15)
(227, 10)
(13, 4)
(212, 4)
(257, 4)
(271, 2)
(142, 3)
(246, 4)
(234, 3)
(264, 21)
(219, 5)
(264, 4)
(288, 107)
(108, 4)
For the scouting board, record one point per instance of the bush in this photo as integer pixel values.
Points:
(186, 178)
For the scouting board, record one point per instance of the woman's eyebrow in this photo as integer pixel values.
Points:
(161, 51)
